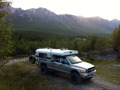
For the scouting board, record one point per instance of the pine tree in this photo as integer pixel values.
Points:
(102, 43)
(116, 39)
(5, 32)
(87, 43)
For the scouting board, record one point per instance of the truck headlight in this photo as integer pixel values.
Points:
(83, 71)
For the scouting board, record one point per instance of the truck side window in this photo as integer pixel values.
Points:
(41, 55)
(64, 60)
(57, 59)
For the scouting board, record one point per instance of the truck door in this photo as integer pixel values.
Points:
(57, 64)
(65, 65)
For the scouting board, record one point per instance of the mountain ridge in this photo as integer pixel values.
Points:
(45, 20)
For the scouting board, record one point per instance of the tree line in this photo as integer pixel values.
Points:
(92, 43)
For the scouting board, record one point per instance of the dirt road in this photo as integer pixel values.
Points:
(17, 60)
(95, 84)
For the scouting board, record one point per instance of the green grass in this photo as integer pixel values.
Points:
(109, 71)
(25, 76)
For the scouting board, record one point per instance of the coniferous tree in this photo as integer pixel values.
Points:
(102, 43)
(87, 43)
(93, 42)
(5, 32)
(116, 39)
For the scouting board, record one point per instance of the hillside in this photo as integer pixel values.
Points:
(44, 20)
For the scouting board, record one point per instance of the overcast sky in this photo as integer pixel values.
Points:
(108, 9)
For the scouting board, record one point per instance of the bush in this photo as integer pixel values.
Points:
(118, 59)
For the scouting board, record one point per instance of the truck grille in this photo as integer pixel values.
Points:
(91, 69)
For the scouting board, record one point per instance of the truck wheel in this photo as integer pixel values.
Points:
(75, 78)
(44, 69)
(32, 59)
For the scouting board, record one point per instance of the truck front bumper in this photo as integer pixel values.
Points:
(88, 75)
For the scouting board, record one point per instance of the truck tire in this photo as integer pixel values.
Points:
(44, 69)
(75, 78)
(32, 59)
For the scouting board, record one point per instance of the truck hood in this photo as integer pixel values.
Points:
(83, 65)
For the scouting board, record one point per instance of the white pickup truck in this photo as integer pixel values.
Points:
(65, 61)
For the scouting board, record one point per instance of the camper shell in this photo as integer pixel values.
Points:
(48, 52)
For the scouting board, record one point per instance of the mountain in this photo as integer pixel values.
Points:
(44, 20)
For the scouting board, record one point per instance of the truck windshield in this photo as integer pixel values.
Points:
(74, 59)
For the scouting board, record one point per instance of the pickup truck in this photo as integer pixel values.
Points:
(64, 61)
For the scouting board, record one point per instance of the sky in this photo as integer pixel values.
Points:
(107, 9)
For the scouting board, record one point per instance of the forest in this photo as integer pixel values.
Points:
(26, 42)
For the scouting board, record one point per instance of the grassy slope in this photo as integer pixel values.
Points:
(25, 76)
(59, 28)
(109, 71)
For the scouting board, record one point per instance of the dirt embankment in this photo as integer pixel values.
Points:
(95, 84)
(17, 60)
